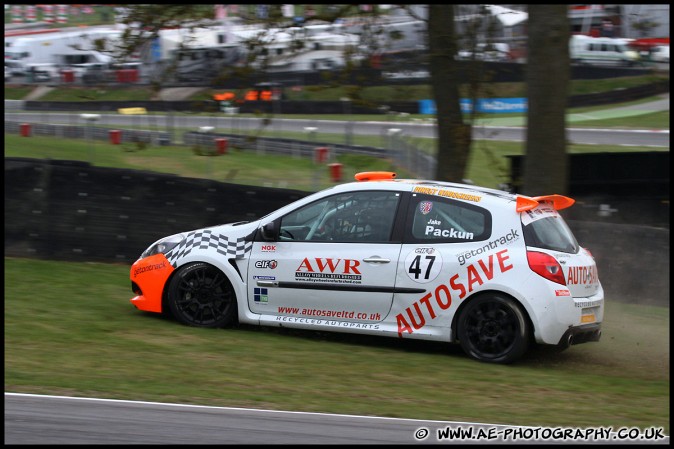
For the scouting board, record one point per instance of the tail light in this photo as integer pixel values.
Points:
(546, 266)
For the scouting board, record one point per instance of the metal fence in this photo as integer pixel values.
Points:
(396, 146)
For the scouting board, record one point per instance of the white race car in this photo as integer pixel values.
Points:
(404, 258)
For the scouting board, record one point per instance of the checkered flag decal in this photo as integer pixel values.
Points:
(205, 239)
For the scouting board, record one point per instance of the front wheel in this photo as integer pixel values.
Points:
(201, 295)
(493, 328)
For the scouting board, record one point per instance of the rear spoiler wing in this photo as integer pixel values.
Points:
(559, 202)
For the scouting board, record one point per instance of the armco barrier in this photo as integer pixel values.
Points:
(81, 131)
(631, 187)
(632, 260)
(270, 145)
(69, 210)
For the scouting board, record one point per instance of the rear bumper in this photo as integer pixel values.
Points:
(580, 334)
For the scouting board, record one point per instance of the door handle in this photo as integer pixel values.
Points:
(267, 284)
(376, 260)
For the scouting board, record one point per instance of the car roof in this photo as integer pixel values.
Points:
(427, 186)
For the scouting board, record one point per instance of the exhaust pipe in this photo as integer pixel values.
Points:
(565, 342)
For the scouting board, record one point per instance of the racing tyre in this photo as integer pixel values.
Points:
(201, 295)
(493, 328)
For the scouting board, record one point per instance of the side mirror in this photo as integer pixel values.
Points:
(269, 231)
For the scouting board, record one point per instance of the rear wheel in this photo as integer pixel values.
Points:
(493, 328)
(201, 295)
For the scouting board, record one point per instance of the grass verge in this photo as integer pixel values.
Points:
(70, 330)
(488, 165)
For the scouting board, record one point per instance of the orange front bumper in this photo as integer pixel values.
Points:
(150, 275)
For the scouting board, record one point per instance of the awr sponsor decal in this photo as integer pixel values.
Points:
(334, 270)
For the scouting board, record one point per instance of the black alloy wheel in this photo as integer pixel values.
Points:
(200, 295)
(493, 328)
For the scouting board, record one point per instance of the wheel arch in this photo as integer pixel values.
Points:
(455, 319)
(166, 310)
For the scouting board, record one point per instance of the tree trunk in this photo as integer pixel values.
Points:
(454, 136)
(548, 71)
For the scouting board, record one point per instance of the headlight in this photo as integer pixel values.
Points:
(163, 246)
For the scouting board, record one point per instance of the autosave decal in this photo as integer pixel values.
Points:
(475, 274)
(582, 275)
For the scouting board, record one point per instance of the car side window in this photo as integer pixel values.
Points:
(443, 220)
(348, 217)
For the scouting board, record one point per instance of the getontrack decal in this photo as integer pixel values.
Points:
(156, 266)
(501, 241)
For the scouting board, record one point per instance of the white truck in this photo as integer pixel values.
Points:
(63, 49)
(602, 51)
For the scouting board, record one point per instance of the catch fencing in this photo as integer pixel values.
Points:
(397, 147)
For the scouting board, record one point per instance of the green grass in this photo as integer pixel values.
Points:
(70, 330)
(487, 166)
(242, 167)
(99, 93)
(653, 120)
